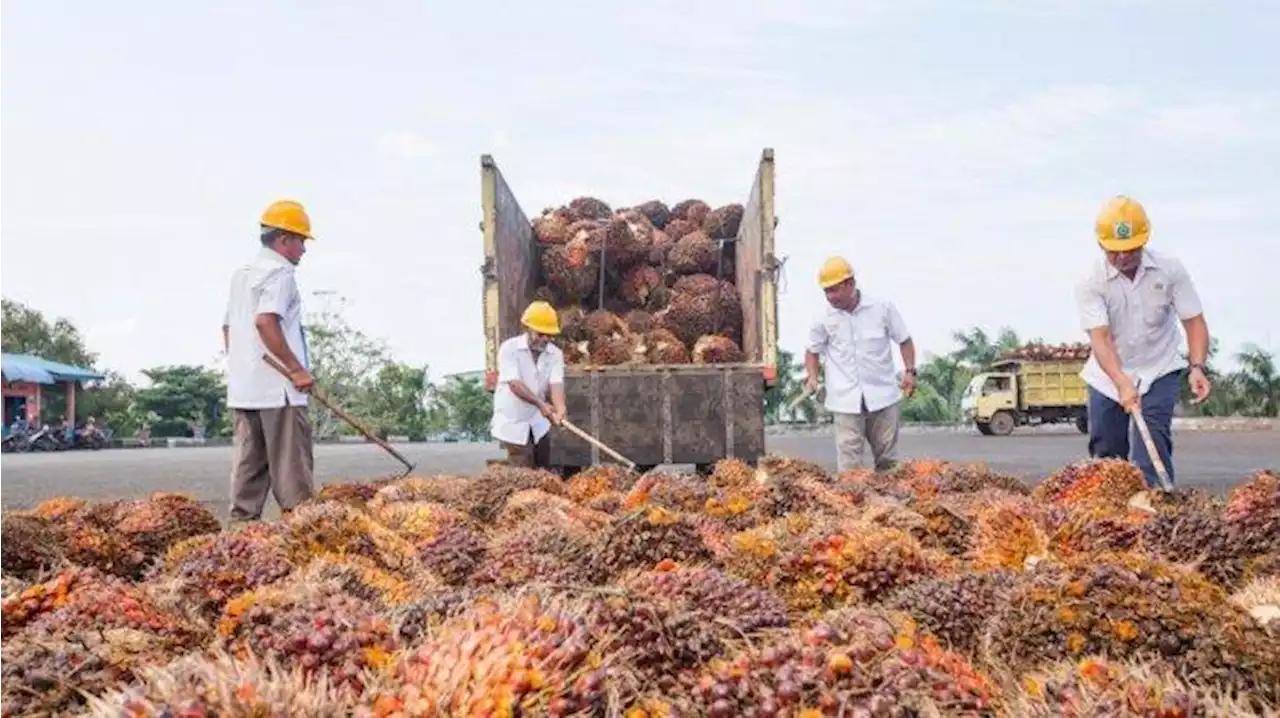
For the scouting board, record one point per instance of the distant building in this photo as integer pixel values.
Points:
(25, 377)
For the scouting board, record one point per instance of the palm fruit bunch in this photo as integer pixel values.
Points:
(59, 507)
(1009, 534)
(646, 537)
(678, 492)
(773, 466)
(1108, 481)
(653, 640)
(1098, 529)
(595, 481)
(413, 621)
(1252, 514)
(356, 493)
(711, 594)
(220, 685)
(964, 478)
(535, 554)
(526, 654)
(1070, 351)
(445, 489)
(361, 578)
(315, 529)
(1126, 606)
(1261, 598)
(642, 258)
(955, 609)
(1264, 566)
(487, 494)
(944, 528)
(540, 507)
(211, 571)
(1095, 686)
(157, 523)
(448, 541)
(732, 474)
(29, 545)
(715, 349)
(1194, 534)
(52, 676)
(856, 663)
(857, 565)
(317, 627)
(420, 520)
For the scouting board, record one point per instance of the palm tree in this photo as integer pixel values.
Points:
(1259, 382)
(787, 389)
(977, 350)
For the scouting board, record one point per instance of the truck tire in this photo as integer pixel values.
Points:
(1002, 423)
(983, 428)
(1082, 423)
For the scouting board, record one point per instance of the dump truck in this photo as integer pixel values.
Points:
(1021, 392)
(653, 414)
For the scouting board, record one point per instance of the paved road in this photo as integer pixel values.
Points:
(1211, 460)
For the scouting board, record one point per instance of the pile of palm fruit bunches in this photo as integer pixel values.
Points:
(775, 590)
(650, 284)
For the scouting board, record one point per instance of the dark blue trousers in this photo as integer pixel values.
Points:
(1113, 435)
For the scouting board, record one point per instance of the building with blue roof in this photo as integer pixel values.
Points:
(24, 380)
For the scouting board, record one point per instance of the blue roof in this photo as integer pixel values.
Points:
(24, 367)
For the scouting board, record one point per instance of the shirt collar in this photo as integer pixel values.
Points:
(864, 300)
(522, 341)
(1148, 262)
(270, 255)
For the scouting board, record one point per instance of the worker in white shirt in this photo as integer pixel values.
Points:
(272, 431)
(530, 371)
(1131, 303)
(854, 339)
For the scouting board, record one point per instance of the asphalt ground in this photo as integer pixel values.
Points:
(1213, 461)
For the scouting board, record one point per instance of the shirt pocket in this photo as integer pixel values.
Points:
(1157, 303)
(872, 338)
(839, 338)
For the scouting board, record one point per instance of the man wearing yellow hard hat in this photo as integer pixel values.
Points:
(852, 344)
(1131, 303)
(273, 449)
(530, 371)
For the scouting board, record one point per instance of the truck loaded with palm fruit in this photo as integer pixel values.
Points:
(1031, 385)
(668, 316)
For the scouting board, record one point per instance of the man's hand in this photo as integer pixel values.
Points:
(302, 379)
(549, 411)
(1128, 394)
(811, 384)
(1199, 383)
(908, 383)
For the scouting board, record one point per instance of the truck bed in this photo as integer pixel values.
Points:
(1048, 383)
(653, 414)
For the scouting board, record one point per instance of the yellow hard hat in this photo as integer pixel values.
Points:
(834, 271)
(289, 216)
(541, 318)
(1122, 225)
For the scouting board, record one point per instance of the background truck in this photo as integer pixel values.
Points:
(1015, 392)
(652, 414)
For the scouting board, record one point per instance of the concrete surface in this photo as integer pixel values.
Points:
(1211, 460)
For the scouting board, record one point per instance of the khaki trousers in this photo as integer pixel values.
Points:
(877, 428)
(533, 455)
(272, 453)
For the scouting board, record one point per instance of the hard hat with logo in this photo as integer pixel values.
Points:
(288, 215)
(834, 271)
(541, 318)
(1122, 225)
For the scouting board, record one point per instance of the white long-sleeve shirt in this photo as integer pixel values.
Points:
(1143, 314)
(513, 417)
(857, 352)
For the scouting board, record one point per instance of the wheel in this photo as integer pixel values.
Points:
(1002, 423)
(1082, 423)
(984, 429)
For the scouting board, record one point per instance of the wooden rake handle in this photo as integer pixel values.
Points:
(597, 443)
(318, 394)
(1145, 432)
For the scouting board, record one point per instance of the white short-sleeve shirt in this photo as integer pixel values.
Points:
(514, 418)
(857, 352)
(1143, 314)
(266, 285)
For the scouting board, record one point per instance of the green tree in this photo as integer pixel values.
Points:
(24, 330)
(397, 400)
(1258, 381)
(926, 404)
(111, 403)
(182, 395)
(978, 350)
(345, 362)
(1224, 400)
(468, 407)
(786, 390)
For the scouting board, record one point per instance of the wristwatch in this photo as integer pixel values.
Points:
(910, 370)
(1197, 366)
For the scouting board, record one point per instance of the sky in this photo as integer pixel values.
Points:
(955, 152)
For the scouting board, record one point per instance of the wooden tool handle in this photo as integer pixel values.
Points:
(1145, 432)
(805, 395)
(319, 395)
(597, 443)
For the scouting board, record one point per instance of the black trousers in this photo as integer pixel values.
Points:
(532, 455)
(1112, 434)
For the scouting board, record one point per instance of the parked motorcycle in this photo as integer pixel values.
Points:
(44, 440)
(16, 441)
